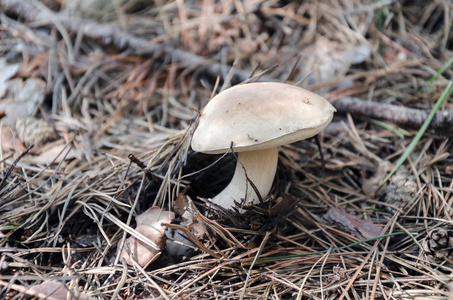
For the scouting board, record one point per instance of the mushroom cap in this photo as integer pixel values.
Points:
(259, 116)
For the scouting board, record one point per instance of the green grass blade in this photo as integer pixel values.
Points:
(398, 131)
(441, 70)
(7, 227)
(445, 95)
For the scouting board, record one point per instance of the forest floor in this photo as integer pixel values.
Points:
(99, 100)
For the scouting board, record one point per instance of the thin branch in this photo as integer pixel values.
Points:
(113, 35)
(400, 115)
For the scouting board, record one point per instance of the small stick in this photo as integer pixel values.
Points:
(142, 166)
(400, 115)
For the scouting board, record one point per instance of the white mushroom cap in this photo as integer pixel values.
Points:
(259, 116)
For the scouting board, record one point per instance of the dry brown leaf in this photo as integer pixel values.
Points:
(58, 291)
(30, 67)
(20, 98)
(155, 215)
(150, 225)
(181, 204)
(54, 152)
(139, 251)
(326, 60)
(283, 205)
(356, 226)
(10, 142)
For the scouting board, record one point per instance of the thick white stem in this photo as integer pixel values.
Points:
(260, 167)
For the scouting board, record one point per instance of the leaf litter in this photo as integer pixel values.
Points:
(150, 224)
(356, 226)
(131, 79)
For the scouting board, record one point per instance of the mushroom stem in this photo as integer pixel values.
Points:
(260, 166)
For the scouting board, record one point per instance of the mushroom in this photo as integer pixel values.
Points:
(254, 119)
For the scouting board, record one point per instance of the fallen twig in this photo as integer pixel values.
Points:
(400, 115)
(109, 34)
(113, 35)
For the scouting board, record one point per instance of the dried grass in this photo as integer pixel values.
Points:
(64, 221)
